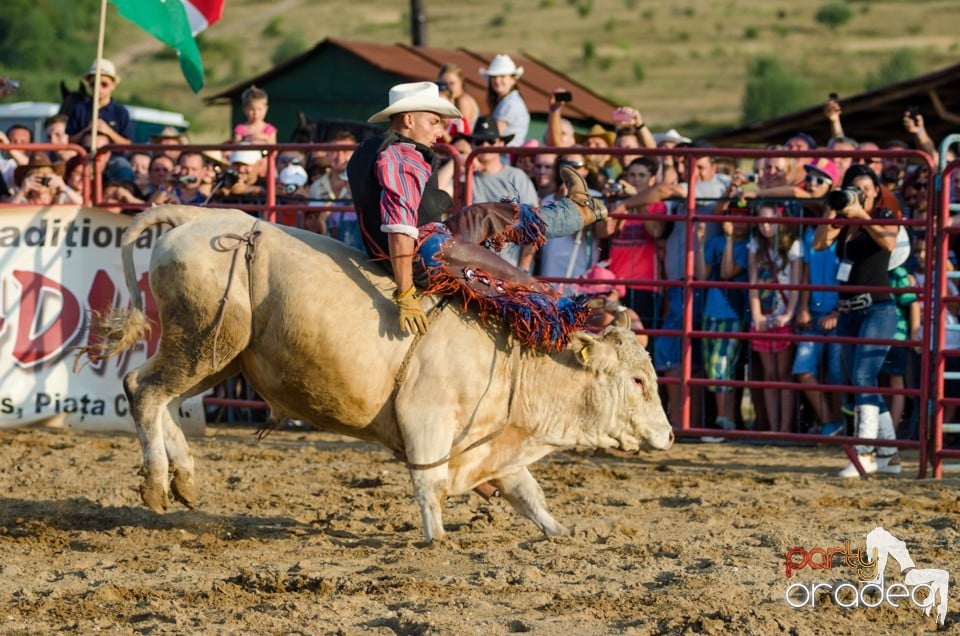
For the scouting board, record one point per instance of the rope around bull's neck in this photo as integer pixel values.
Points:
(402, 376)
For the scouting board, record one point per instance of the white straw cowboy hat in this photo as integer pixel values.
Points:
(106, 68)
(501, 65)
(416, 97)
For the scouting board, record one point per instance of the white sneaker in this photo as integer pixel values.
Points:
(889, 464)
(869, 463)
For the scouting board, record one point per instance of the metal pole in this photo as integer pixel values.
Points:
(418, 23)
(95, 110)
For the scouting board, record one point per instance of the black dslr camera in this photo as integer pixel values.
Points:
(842, 197)
(228, 178)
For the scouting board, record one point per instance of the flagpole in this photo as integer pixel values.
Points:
(95, 112)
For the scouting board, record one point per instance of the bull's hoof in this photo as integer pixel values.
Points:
(183, 488)
(154, 497)
(556, 530)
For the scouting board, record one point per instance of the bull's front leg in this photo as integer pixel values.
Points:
(430, 491)
(428, 439)
(527, 498)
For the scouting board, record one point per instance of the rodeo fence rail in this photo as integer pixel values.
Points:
(939, 375)
(937, 231)
(689, 286)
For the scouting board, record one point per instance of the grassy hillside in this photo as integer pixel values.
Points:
(683, 63)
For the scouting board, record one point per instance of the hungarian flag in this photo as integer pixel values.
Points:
(175, 23)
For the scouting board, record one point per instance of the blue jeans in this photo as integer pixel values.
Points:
(862, 362)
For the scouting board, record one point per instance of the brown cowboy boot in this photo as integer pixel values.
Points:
(591, 209)
(476, 222)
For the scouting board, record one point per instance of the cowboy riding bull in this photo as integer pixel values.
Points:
(310, 324)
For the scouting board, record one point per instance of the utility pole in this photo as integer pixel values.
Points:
(418, 23)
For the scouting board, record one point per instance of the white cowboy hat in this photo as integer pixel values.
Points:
(670, 135)
(416, 97)
(501, 65)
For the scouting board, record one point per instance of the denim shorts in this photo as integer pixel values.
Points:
(895, 362)
(667, 350)
(810, 356)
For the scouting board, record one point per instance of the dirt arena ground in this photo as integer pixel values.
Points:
(309, 533)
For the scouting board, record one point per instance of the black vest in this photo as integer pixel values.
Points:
(366, 190)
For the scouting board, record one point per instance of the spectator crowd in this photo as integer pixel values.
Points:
(754, 330)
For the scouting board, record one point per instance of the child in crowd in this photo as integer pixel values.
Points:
(604, 301)
(256, 129)
(908, 323)
(775, 257)
(724, 258)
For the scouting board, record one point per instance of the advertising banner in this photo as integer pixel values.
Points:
(58, 264)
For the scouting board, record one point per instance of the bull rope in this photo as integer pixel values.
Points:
(250, 239)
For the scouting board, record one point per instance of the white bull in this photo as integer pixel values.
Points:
(311, 326)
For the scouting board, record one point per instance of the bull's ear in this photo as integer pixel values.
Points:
(591, 352)
(580, 344)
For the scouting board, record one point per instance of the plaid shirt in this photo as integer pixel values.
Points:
(402, 172)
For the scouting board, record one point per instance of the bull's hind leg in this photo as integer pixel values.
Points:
(525, 495)
(148, 404)
(154, 392)
(181, 460)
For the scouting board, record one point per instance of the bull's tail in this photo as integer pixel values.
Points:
(119, 329)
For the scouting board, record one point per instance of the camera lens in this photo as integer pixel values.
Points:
(839, 199)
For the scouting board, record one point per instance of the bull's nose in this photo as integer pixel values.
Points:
(668, 444)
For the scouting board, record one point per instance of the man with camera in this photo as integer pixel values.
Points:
(242, 181)
(864, 253)
(184, 186)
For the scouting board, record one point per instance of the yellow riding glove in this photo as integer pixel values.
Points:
(412, 318)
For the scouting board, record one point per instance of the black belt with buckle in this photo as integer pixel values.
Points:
(855, 303)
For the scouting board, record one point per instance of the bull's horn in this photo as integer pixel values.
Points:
(623, 320)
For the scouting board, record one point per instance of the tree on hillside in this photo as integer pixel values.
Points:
(39, 36)
(834, 14)
(772, 90)
(902, 65)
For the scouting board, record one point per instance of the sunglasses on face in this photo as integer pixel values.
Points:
(815, 180)
(573, 164)
(487, 142)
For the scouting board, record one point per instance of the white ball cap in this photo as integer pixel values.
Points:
(248, 157)
(293, 175)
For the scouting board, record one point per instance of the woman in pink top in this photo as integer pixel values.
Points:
(633, 242)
